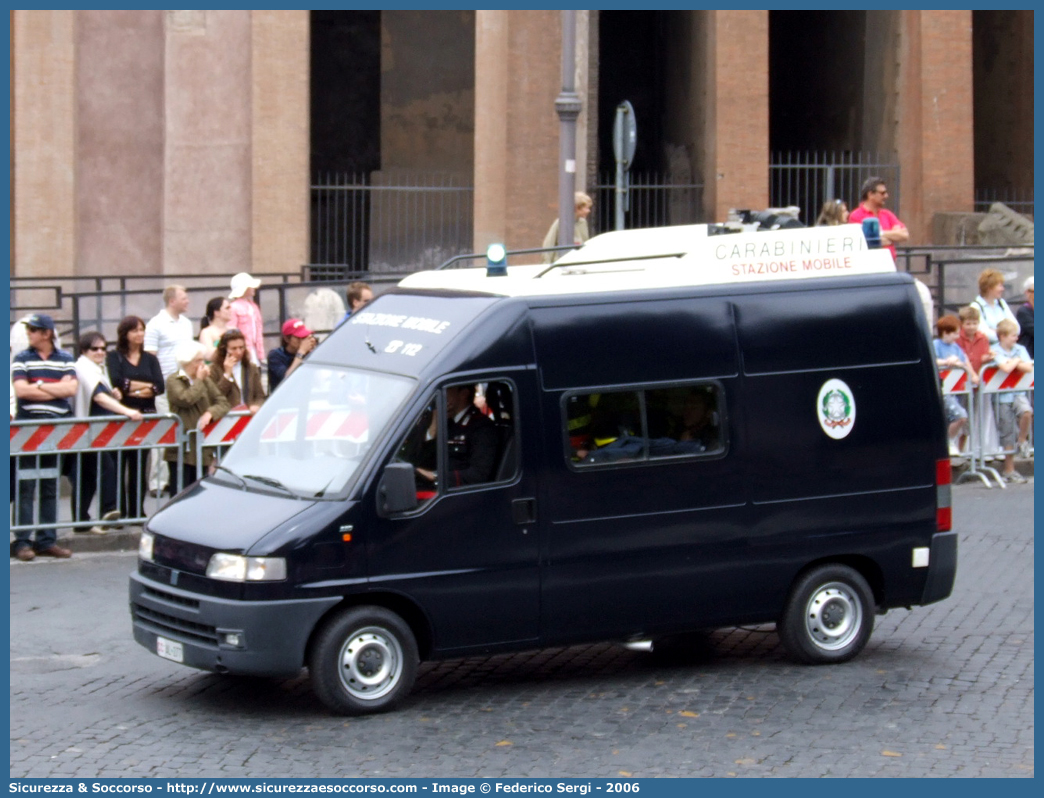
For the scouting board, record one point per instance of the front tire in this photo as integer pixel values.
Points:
(829, 615)
(364, 660)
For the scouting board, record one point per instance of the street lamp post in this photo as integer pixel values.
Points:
(567, 106)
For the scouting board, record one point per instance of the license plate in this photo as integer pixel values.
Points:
(168, 649)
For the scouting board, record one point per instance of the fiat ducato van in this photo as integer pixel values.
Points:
(666, 431)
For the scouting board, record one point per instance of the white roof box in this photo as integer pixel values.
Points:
(629, 260)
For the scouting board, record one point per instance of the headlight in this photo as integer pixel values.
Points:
(237, 568)
(145, 546)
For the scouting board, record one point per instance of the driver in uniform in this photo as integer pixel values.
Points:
(471, 439)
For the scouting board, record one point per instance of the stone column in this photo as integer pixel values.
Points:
(491, 127)
(736, 142)
(935, 116)
(208, 92)
(119, 142)
(280, 182)
(517, 77)
(43, 138)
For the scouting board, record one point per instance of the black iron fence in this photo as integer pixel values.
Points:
(809, 179)
(1020, 201)
(381, 222)
(656, 200)
(951, 272)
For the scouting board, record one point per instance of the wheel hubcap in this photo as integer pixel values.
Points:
(370, 663)
(833, 616)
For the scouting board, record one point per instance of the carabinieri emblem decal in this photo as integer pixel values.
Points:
(835, 408)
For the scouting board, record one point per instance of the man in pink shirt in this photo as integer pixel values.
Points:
(872, 201)
(246, 316)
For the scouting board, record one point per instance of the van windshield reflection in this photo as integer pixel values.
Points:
(311, 435)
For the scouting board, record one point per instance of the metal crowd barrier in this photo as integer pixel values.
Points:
(982, 401)
(102, 458)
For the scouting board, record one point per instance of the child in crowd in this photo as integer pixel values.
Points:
(949, 355)
(974, 342)
(1014, 414)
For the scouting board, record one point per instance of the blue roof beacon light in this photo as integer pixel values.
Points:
(872, 232)
(496, 261)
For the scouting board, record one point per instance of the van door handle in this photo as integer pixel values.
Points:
(523, 511)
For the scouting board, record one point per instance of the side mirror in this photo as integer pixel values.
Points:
(397, 491)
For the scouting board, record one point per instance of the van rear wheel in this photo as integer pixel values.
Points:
(364, 660)
(829, 615)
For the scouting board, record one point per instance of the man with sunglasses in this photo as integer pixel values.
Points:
(873, 196)
(44, 380)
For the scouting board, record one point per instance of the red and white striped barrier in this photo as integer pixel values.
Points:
(225, 431)
(993, 380)
(954, 381)
(80, 435)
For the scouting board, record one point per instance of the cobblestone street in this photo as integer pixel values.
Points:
(945, 690)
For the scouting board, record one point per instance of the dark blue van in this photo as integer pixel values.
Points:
(614, 447)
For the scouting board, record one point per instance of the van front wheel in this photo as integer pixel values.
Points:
(829, 615)
(364, 660)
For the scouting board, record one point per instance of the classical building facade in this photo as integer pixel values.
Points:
(188, 142)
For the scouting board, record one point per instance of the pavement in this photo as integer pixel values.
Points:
(944, 690)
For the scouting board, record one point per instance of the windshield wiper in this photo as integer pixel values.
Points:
(233, 473)
(270, 481)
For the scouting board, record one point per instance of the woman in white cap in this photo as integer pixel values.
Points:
(246, 316)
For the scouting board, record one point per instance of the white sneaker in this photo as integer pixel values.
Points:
(1014, 478)
(1024, 450)
(954, 451)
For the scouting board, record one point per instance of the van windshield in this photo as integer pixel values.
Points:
(311, 435)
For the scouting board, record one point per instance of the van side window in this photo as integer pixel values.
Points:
(633, 426)
(477, 432)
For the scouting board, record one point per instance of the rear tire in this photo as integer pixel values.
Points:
(829, 615)
(364, 660)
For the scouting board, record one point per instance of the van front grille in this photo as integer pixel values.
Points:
(170, 598)
(164, 624)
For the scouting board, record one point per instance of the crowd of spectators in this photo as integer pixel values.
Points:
(162, 366)
(986, 334)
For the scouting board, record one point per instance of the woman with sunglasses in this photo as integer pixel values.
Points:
(137, 380)
(95, 397)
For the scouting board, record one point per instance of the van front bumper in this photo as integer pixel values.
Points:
(942, 567)
(268, 637)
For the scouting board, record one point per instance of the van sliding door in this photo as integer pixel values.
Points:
(643, 493)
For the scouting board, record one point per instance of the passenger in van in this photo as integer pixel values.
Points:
(471, 439)
(696, 424)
